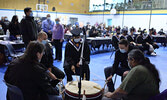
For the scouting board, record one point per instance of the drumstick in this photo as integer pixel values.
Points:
(97, 87)
(105, 84)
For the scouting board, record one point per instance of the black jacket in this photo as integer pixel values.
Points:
(5, 25)
(149, 39)
(47, 58)
(122, 59)
(31, 78)
(14, 29)
(115, 41)
(28, 29)
(130, 38)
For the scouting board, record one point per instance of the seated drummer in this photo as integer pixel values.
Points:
(47, 60)
(29, 75)
(72, 57)
(141, 83)
(120, 66)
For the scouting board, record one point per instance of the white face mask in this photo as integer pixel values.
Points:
(129, 65)
(77, 40)
(122, 50)
(0, 28)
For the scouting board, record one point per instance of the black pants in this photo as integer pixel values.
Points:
(59, 74)
(58, 47)
(49, 36)
(107, 72)
(69, 72)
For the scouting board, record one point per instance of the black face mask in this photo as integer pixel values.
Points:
(16, 20)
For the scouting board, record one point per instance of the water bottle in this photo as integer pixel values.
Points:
(7, 34)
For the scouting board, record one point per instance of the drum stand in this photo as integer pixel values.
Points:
(81, 67)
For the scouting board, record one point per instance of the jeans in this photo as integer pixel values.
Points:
(107, 72)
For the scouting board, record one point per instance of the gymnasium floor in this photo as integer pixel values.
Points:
(97, 65)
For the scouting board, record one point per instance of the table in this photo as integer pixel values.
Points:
(2, 37)
(16, 45)
(96, 42)
(160, 39)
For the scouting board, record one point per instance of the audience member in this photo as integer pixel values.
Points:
(47, 26)
(28, 27)
(14, 28)
(57, 38)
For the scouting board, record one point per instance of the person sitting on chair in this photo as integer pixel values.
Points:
(124, 34)
(120, 58)
(29, 75)
(115, 39)
(130, 37)
(141, 83)
(72, 57)
(47, 59)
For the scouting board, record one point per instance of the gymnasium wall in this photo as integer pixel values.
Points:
(134, 18)
(65, 11)
(65, 6)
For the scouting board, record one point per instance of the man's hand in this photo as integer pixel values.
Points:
(109, 78)
(49, 31)
(61, 40)
(108, 94)
(73, 68)
(77, 65)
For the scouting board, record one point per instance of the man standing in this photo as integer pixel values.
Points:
(47, 26)
(57, 38)
(28, 27)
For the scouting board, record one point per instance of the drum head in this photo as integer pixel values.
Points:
(89, 87)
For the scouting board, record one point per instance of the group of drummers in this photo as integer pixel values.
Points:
(37, 77)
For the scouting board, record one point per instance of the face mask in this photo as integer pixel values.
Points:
(48, 18)
(129, 65)
(77, 40)
(16, 20)
(57, 22)
(0, 28)
(122, 50)
(31, 14)
(6, 18)
(44, 42)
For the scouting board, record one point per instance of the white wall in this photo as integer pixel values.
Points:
(158, 21)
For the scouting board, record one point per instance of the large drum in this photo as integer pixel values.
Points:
(92, 90)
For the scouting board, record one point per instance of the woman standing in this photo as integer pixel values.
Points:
(14, 28)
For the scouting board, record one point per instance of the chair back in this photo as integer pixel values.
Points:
(13, 92)
(10, 49)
